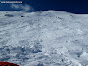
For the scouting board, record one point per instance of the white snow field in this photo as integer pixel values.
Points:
(46, 38)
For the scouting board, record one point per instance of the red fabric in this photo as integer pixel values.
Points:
(7, 64)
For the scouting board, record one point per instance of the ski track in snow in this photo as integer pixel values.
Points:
(49, 38)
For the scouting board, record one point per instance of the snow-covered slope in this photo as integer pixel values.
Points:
(50, 38)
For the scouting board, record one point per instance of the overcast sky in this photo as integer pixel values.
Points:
(75, 6)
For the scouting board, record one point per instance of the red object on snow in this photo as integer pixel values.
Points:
(7, 64)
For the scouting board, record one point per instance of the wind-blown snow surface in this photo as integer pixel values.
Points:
(49, 38)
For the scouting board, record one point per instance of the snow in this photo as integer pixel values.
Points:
(46, 38)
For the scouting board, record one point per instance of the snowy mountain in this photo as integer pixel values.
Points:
(46, 38)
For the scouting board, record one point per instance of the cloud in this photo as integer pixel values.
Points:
(22, 7)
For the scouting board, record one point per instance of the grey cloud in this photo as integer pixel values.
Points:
(22, 7)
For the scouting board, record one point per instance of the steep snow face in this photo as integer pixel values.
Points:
(49, 38)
